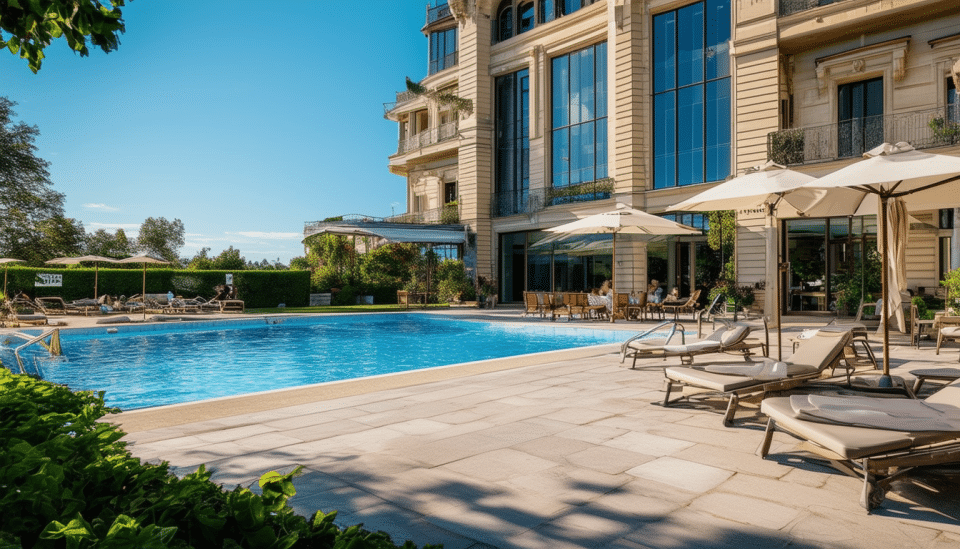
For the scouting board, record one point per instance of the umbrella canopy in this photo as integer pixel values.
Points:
(770, 184)
(623, 220)
(922, 180)
(95, 259)
(144, 258)
(4, 261)
(770, 187)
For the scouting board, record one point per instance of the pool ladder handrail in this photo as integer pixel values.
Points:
(54, 346)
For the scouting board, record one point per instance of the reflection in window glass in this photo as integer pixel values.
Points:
(579, 116)
(525, 17)
(953, 102)
(512, 142)
(691, 103)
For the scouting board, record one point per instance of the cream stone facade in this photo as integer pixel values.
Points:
(793, 69)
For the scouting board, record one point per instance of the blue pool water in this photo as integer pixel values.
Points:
(187, 362)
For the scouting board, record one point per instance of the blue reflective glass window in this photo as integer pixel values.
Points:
(664, 52)
(690, 45)
(718, 130)
(953, 102)
(512, 132)
(690, 135)
(717, 54)
(664, 140)
(578, 96)
(548, 10)
(526, 17)
(561, 83)
(691, 103)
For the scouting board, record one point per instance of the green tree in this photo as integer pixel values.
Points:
(301, 263)
(229, 260)
(104, 243)
(162, 238)
(60, 236)
(722, 238)
(29, 26)
(26, 193)
(201, 261)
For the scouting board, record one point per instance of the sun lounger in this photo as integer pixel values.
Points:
(877, 439)
(811, 359)
(56, 305)
(728, 338)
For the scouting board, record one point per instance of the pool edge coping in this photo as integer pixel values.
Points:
(173, 415)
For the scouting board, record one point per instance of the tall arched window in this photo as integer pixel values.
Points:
(505, 21)
(548, 10)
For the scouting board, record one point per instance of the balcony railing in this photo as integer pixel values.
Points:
(789, 7)
(436, 13)
(922, 129)
(447, 215)
(436, 135)
(530, 201)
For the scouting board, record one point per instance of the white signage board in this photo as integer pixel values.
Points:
(48, 280)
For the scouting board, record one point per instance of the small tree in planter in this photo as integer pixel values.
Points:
(487, 289)
(453, 284)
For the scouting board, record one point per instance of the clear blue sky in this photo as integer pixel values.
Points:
(241, 118)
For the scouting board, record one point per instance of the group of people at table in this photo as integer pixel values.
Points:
(604, 295)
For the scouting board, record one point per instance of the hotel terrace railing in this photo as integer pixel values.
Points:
(530, 201)
(789, 7)
(436, 135)
(436, 13)
(922, 129)
(402, 97)
(447, 215)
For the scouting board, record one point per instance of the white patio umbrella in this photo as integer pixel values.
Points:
(922, 180)
(95, 259)
(144, 258)
(771, 187)
(5, 261)
(623, 220)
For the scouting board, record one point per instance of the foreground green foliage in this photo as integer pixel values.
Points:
(66, 480)
(29, 26)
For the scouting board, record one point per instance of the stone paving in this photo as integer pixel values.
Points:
(564, 453)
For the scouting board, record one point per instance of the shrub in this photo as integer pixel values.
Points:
(69, 481)
(453, 282)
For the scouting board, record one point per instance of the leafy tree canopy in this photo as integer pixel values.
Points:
(27, 27)
(103, 243)
(162, 238)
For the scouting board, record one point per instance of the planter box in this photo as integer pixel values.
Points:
(320, 300)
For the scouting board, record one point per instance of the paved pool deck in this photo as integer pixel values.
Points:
(562, 449)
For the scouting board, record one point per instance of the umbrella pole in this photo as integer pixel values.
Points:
(885, 380)
(778, 286)
(613, 280)
(96, 277)
(143, 295)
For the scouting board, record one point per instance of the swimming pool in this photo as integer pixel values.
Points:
(153, 365)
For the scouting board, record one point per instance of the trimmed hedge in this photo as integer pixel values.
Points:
(68, 481)
(258, 289)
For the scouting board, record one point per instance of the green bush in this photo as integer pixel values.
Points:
(257, 288)
(452, 282)
(68, 481)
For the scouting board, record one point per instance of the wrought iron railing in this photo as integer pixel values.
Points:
(446, 215)
(402, 97)
(922, 129)
(436, 13)
(530, 201)
(436, 135)
(445, 62)
(789, 7)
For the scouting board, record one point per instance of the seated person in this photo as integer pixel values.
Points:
(654, 292)
(674, 295)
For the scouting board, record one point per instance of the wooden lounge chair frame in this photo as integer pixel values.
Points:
(703, 384)
(877, 456)
(688, 305)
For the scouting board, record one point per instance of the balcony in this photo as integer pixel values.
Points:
(447, 215)
(402, 97)
(445, 132)
(922, 129)
(790, 7)
(530, 201)
(436, 13)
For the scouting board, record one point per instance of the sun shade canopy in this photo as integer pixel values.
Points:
(393, 232)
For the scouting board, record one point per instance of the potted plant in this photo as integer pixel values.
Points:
(487, 292)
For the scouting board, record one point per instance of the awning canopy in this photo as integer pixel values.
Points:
(393, 232)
